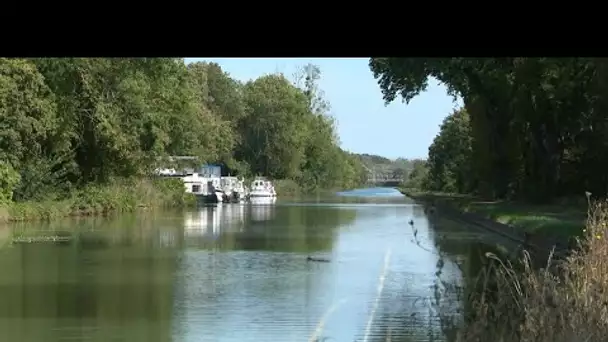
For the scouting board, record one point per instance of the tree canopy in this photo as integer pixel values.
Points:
(531, 128)
(69, 122)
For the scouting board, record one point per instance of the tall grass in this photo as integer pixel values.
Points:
(564, 301)
(120, 196)
(287, 188)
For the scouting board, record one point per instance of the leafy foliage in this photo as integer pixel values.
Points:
(276, 127)
(9, 178)
(536, 127)
(450, 156)
(417, 178)
(72, 123)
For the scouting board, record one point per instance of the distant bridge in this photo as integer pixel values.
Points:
(384, 181)
(382, 178)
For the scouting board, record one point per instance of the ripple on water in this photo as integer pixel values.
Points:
(242, 296)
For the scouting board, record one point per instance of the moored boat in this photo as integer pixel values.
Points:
(262, 187)
(195, 184)
(215, 190)
(234, 188)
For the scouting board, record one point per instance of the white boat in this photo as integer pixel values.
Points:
(195, 184)
(213, 174)
(262, 187)
(215, 189)
(207, 187)
(234, 188)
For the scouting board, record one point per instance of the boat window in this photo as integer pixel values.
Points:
(196, 188)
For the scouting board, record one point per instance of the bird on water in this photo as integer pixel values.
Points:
(309, 258)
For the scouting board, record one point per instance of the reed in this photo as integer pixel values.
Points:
(564, 301)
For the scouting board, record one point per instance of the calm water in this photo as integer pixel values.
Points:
(239, 273)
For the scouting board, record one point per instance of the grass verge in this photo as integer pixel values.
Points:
(562, 302)
(122, 196)
(563, 219)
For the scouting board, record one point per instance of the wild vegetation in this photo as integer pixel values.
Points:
(84, 130)
(563, 301)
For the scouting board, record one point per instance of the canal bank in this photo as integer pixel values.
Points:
(542, 243)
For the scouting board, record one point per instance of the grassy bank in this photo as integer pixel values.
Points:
(287, 188)
(565, 218)
(121, 196)
(529, 304)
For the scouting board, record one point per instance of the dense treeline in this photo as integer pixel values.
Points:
(449, 165)
(531, 128)
(69, 122)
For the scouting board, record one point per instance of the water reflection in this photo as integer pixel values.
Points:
(72, 292)
(372, 192)
(255, 284)
(261, 288)
(262, 208)
(209, 220)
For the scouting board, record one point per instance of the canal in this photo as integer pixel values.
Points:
(238, 272)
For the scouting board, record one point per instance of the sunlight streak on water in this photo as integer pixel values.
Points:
(372, 192)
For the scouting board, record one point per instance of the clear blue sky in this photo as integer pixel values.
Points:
(365, 124)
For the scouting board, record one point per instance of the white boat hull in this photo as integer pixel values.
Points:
(263, 200)
(262, 194)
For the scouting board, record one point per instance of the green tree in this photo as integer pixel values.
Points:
(28, 114)
(537, 124)
(325, 165)
(450, 156)
(418, 176)
(307, 78)
(31, 139)
(114, 110)
(275, 137)
(220, 93)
